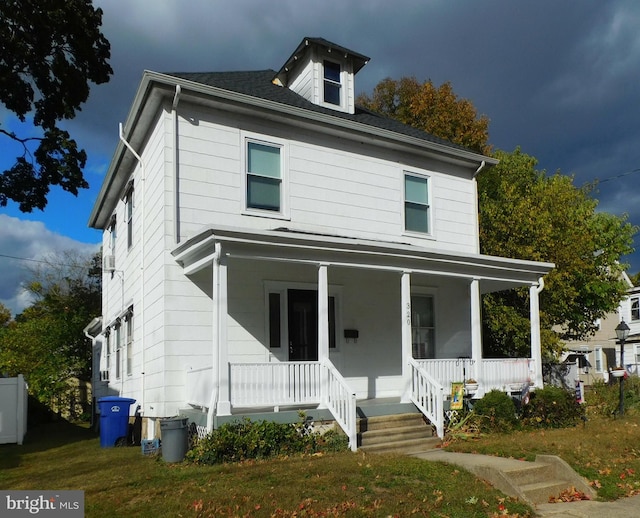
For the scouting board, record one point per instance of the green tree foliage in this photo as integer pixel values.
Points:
(436, 110)
(527, 214)
(49, 53)
(46, 342)
(635, 279)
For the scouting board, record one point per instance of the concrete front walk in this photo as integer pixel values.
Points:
(485, 465)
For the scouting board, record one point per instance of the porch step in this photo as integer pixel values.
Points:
(400, 433)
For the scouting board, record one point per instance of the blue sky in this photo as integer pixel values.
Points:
(558, 79)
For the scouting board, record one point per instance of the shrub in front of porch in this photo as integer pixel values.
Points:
(246, 439)
(495, 412)
(552, 407)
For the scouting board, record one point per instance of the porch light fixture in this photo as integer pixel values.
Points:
(622, 332)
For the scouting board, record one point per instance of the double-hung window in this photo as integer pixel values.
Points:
(128, 204)
(112, 234)
(129, 319)
(635, 308)
(118, 345)
(417, 209)
(597, 353)
(265, 180)
(332, 83)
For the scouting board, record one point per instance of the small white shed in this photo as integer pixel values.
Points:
(13, 410)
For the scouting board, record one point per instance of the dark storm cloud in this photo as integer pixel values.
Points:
(559, 79)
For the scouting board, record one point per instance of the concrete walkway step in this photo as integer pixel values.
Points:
(534, 482)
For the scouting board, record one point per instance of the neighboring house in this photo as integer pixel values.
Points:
(268, 244)
(596, 355)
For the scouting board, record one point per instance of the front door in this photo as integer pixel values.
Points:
(303, 325)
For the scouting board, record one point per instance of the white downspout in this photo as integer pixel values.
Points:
(176, 198)
(536, 346)
(142, 265)
(215, 339)
(477, 203)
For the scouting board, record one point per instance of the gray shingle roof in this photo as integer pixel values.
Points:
(259, 84)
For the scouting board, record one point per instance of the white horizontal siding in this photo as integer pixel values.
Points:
(333, 186)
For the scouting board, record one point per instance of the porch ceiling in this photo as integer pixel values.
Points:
(495, 273)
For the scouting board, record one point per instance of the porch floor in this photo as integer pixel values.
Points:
(288, 414)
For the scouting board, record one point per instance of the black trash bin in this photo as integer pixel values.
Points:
(175, 438)
(114, 420)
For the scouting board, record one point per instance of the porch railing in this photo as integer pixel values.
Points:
(505, 374)
(427, 393)
(501, 374)
(274, 384)
(341, 402)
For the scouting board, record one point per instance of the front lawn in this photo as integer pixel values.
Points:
(123, 482)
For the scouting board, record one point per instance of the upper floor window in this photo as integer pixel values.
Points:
(264, 169)
(417, 213)
(112, 234)
(128, 214)
(635, 308)
(332, 83)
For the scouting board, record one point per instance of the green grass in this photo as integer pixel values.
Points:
(123, 482)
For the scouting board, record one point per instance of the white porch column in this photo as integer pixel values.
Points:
(536, 346)
(405, 315)
(224, 402)
(476, 328)
(323, 328)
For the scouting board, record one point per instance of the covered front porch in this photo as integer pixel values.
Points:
(302, 320)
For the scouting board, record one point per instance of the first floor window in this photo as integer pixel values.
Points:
(416, 204)
(129, 342)
(107, 339)
(118, 346)
(597, 353)
(264, 176)
(422, 327)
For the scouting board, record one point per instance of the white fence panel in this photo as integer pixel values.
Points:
(13, 410)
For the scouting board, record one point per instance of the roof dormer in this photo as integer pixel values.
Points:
(323, 73)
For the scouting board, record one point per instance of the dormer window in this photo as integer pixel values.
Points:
(332, 83)
(323, 73)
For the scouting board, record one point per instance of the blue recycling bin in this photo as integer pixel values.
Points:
(114, 419)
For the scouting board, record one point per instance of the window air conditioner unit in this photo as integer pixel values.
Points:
(109, 263)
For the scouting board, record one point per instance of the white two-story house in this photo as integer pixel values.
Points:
(269, 244)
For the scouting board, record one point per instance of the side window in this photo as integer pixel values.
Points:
(422, 327)
(264, 176)
(113, 234)
(635, 308)
(332, 83)
(417, 210)
(129, 319)
(128, 201)
(118, 345)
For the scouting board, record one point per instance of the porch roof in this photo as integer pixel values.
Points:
(282, 244)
